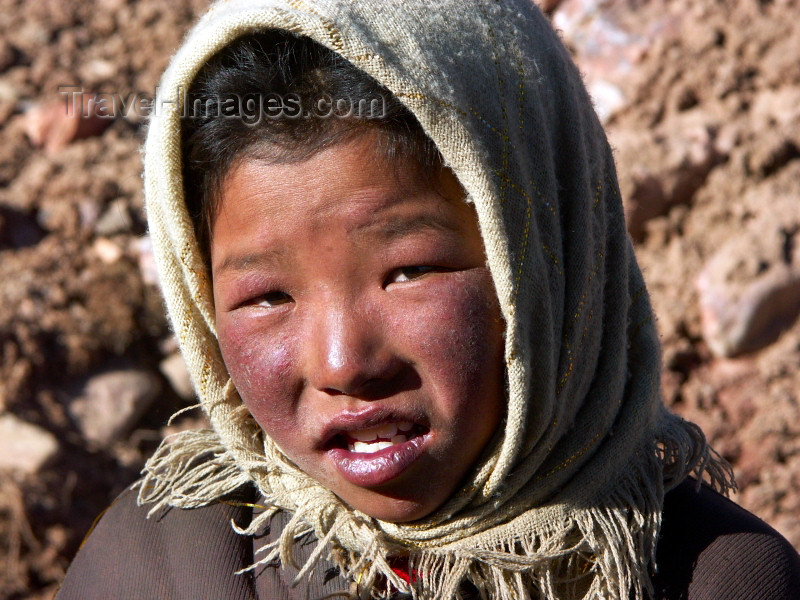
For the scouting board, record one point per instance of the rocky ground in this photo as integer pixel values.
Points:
(702, 103)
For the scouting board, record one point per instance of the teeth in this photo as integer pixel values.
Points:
(374, 439)
(374, 446)
(365, 435)
(360, 447)
(387, 431)
(384, 432)
(364, 448)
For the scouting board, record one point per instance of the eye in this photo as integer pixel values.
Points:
(404, 274)
(272, 299)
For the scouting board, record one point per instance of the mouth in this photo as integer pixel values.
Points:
(375, 455)
(374, 439)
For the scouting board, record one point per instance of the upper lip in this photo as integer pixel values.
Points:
(364, 418)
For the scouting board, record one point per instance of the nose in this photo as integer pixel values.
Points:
(348, 353)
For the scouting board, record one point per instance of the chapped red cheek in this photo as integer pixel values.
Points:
(259, 364)
(467, 328)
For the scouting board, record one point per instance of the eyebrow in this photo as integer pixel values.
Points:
(387, 230)
(391, 229)
(244, 262)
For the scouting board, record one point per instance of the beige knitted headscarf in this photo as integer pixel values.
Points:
(567, 502)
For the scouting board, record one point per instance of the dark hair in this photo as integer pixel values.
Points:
(282, 97)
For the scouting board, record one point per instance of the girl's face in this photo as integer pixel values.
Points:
(359, 323)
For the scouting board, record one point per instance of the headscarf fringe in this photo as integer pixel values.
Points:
(581, 557)
(684, 450)
(189, 469)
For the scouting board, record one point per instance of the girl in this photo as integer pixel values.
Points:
(418, 330)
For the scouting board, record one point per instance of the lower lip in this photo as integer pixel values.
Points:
(378, 468)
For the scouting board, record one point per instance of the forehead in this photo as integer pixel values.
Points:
(350, 186)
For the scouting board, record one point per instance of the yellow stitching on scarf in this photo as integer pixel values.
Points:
(523, 250)
(553, 425)
(521, 95)
(589, 317)
(333, 33)
(187, 252)
(553, 257)
(520, 190)
(638, 293)
(453, 107)
(243, 504)
(186, 327)
(638, 328)
(463, 113)
(200, 275)
(206, 375)
(420, 96)
(568, 461)
(597, 193)
(581, 303)
(527, 226)
(570, 365)
(579, 309)
(614, 189)
(480, 117)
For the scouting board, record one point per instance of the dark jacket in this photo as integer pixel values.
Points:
(709, 549)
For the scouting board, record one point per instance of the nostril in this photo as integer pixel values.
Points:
(363, 374)
(356, 382)
(366, 389)
(399, 379)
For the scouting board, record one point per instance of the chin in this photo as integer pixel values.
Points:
(398, 511)
(394, 510)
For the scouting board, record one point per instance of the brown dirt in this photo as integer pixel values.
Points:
(720, 85)
(64, 311)
(728, 73)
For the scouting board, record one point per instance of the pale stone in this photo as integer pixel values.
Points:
(749, 291)
(111, 403)
(174, 369)
(143, 248)
(106, 250)
(24, 447)
(115, 219)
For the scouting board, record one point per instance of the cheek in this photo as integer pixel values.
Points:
(459, 342)
(260, 367)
